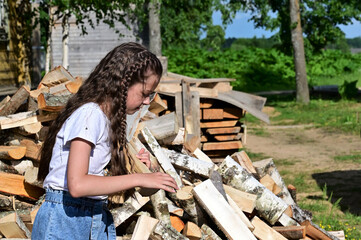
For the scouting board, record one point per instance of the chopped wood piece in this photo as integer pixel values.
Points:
(32, 149)
(14, 184)
(240, 214)
(209, 233)
(56, 76)
(189, 163)
(220, 211)
(157, 105)
(160, 206)
(226, 130)
(144, 227)
(192, 231)
(8, 203)
(29, 129)
(162, 127)
(12, 152)
(268, 204)
(286, 220)
(292, 232)
(293, 191)
(315, 232)
(218, 124)
(177, 223)
(31, 177)
(263, 232)
(160, 155)
(5, 166)
(129, 207)
(52, 103)
(222, 145)
(16, 100)
(192, 142)
(339, 234)
(267, 166)
(73, 87)
(166, 231)
(270, 184)
(202, 156)
(24, 118)
(245, 201)
(21, 165)
(4, 102)
(243, 159)
(11, 226)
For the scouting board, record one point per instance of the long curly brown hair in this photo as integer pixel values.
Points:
(122, 67)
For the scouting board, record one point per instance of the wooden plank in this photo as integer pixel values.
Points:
(245, 201)
(179, 108)
(12, 152)
(221, 212)
(222, 145)
(291, 232)
(144, 227)
(25, 118)
(264, 232)
(230, 137)
(218, 124)
(198, 80)
(226, 130)
(233, 113)
(171, 88)
(212, 113)
(206, 103)
(220, 86)
(14, 184)
(240, 213)
(16, 100)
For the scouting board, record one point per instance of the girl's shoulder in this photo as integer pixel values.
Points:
(90, 108)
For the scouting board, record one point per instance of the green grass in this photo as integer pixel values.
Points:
(355, 158)
(337, 80)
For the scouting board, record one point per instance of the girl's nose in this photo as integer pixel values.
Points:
(146, 101)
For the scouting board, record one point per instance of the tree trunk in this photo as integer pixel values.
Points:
(65, 41)
(155, 41)
(302, 92)
(48, 43)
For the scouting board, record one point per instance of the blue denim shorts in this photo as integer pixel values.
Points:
(63, 217)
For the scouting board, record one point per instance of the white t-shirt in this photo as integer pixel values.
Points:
(91, 124)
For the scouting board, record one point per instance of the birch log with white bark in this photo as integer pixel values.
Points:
(161, 156)
(160, 206)
(188, 163)
(166, 231)
(208, 233)
(267, 166)
(268, 204)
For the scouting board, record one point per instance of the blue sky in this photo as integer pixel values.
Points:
(241, 28)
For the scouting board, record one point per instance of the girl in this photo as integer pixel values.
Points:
(89, 133)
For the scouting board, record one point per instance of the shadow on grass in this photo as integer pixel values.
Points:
(345, 185)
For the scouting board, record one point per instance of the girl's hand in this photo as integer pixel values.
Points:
(158, 180)
(144, 157)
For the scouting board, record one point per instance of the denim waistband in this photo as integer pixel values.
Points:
(60, 196)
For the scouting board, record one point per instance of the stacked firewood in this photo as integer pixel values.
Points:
(230, 199)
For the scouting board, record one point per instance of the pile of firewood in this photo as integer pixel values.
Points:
(230, 199)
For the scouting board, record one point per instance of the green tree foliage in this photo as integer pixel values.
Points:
(215, 38)
(319, 19)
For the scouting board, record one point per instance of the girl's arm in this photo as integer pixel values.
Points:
(81, 184)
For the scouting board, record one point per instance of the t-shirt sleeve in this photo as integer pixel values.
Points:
(87, 123)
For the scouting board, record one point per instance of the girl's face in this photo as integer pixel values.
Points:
(138, 94)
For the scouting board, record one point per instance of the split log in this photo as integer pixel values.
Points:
(267, 166)
(32, 104)
(245, 201)
(52, 103)
(173, 209)
(41, 135)
(129, 207)
(8, 203)
(5, 166)
(185, 199)
(166, 231)
(293, 191)
(216, 180)
(286, 220)
(32, 149)
(157, 105)
(14, 184)
(16, 100)
(188, 163)
(137, 146)
(161, 157)
(24, 118)
(4, 102)
(199, 154)
(264, 232)
(270, 184)
(292, 232)
(162, 127)
(144, 227)
(315, 232)
(56, 76)
(243, 160)
(12, 152)
(160, 206)
(31, 177)
(240, 214)
(177, 223)
(29, 129)
(21, 166)
(268, 204)
(174, 140)
(220, 211)
(208, 233)
(339, 234)
(11, 226)
(192, 231)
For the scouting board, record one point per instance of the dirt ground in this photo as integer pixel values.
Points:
(311, 151)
